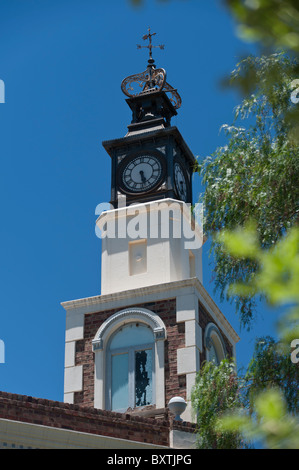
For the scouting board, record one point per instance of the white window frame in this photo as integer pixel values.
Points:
(131, 373)
(100, 346)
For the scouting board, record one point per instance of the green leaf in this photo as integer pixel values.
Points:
(270, 405)
(241, 242)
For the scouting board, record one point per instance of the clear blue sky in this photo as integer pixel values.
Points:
(62, 62)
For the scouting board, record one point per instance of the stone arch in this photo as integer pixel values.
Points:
(213, 337)
(127, 316)
(101, 340)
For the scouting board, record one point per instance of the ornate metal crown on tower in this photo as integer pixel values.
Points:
(151, 80)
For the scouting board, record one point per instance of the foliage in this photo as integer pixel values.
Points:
(276, 276)
(254, 176)
(272, 419)
(216, 391)
(233, 411)
(262, 405)
(274, 23)
(271, 423)
(271, 366)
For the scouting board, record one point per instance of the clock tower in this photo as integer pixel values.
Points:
(141, 342)
(152, 161)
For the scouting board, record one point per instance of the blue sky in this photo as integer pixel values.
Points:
(62, 62)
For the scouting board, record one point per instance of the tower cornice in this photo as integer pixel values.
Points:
(153, 135)
(170, 289)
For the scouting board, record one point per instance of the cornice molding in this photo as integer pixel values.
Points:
(93, 304)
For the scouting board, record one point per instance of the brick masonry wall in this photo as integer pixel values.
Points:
(203, 319)
(82, 419)
(166, 309)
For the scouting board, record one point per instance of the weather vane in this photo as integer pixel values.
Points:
(152, 79)
(150, 45)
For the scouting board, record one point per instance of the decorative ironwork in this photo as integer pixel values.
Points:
(175, 97)
(151, 79)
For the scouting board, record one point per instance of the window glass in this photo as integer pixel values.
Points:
(132, 334)
(130, 367)
(120, 385)
(213, 355)
(143, 377)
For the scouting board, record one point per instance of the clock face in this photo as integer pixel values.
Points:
(180, 182)
(141, 173)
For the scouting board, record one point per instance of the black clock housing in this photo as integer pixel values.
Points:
(143, 162)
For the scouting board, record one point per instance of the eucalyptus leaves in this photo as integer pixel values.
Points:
(255, 176)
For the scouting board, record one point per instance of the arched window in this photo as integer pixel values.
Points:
(213, 356)
(129, 361)
(215, 347)
(130, 367)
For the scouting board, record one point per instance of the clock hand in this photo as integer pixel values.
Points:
(182, 187)
(143, 179)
